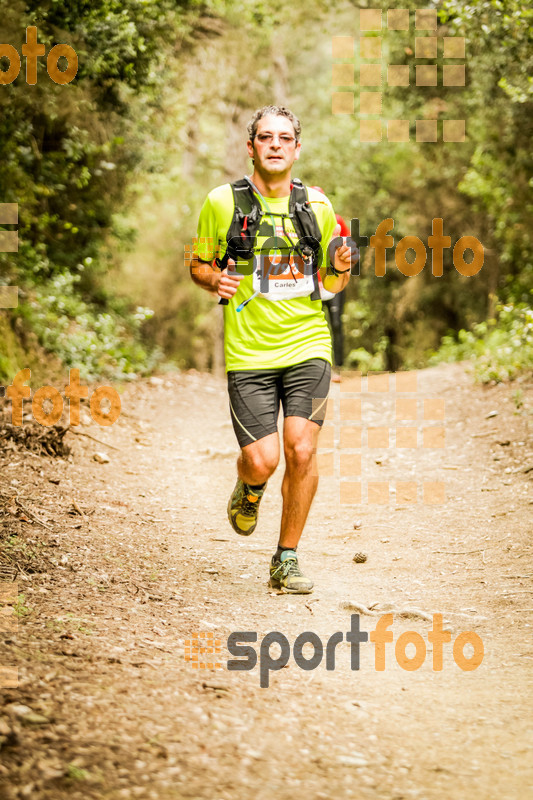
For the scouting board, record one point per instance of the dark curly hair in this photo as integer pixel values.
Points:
(278, 111)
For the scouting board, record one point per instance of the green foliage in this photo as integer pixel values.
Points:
(362, 353)
(499, 178)
(67, 155)
(75, 773)
(482, 187)
(110, 171)
(501, 348)
(365, 362)
(20, 608)
(99, 342)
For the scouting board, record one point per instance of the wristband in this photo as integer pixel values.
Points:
(337, 272)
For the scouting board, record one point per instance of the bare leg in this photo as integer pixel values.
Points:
(300, 438)
(258, 460)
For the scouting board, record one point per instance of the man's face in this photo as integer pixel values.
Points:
(274, 148)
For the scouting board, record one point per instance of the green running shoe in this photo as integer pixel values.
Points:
(243, 508)
(286, 575)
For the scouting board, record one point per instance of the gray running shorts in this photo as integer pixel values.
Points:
(255, 395)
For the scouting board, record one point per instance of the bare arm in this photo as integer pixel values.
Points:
(345, 256)
(335, 284)
(212, 280)
(204, 275)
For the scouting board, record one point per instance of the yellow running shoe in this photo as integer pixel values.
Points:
(285, 574)
(243, 508)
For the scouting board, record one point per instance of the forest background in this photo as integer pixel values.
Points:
(109, 173)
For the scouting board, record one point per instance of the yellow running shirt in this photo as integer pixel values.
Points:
(277, 328)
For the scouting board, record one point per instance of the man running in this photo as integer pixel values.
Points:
(276, 340)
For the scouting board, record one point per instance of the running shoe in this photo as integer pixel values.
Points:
(285, 574)
(243, 508)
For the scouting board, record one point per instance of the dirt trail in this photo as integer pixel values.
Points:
(137, 556)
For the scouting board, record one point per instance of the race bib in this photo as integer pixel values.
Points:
(282, 277)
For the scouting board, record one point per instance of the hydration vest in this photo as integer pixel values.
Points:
(247, 216)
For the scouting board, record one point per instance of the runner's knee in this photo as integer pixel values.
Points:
(262, 462)
(299, 454)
